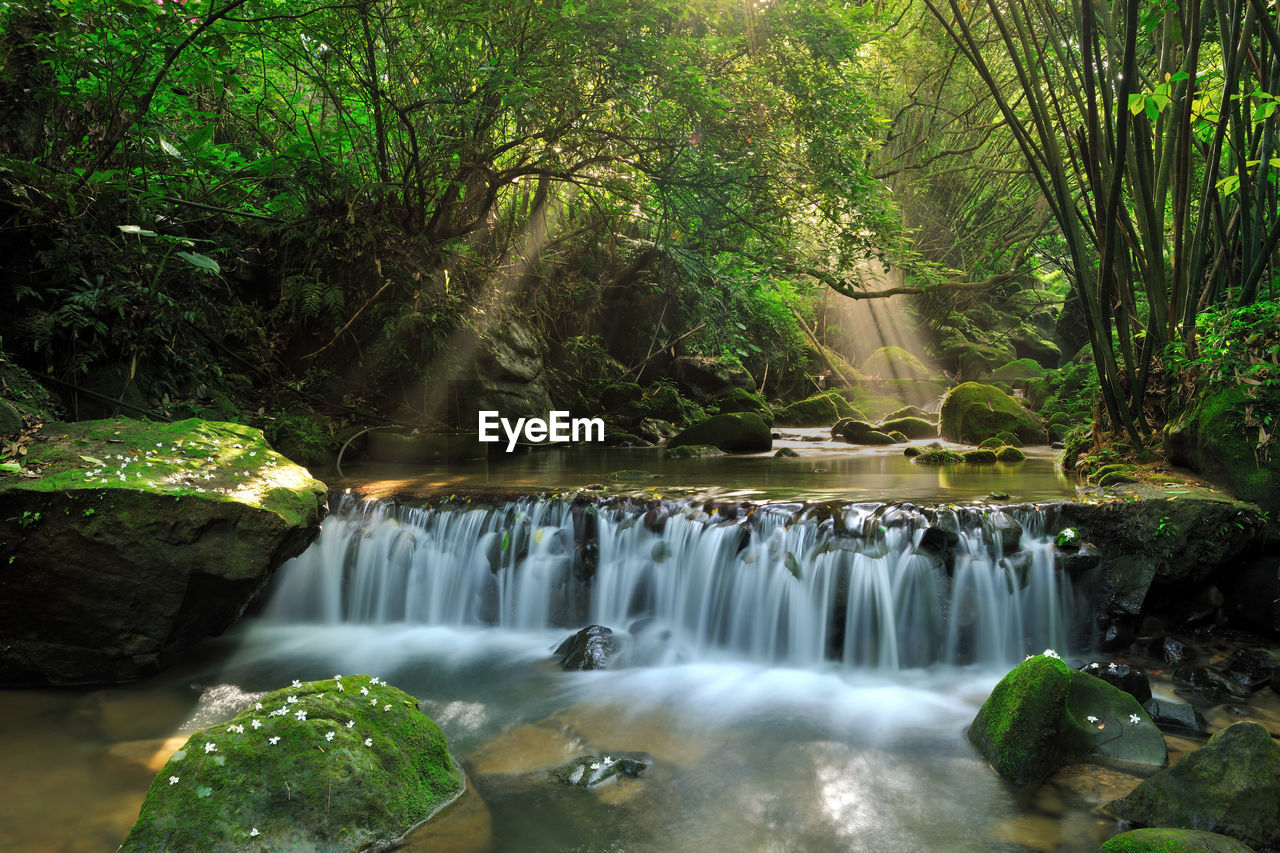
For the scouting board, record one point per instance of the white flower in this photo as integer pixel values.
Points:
(273, 740)
(237, 729)
(1093, 665)
(329, 735)
(1111, 667)
(350, 723)
(301, 715)
(364, 691)
(297, 683)
(1091, 718)
(368, 741)
(376, 680)
(292, 699)
(386, 707)
(595, 765)
(374, 701)
(253, 832)
(337, 678)
(257, 724)
(210, 747)
(1134, 718)
(1050, 653)
(173, 780)
(340, 688)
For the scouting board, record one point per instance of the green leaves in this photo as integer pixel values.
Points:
(200, 262)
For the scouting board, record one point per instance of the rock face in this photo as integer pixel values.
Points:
(505, 373)
(818, 410)
(1230, 786)
(704, 376)
(311, 767)
(1044, 714)
(740, 432)
(1211, 438)
(1165, 840)
(137, 541)
(910, 427)
(973, 412)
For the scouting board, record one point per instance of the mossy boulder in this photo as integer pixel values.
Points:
(1043, 714)
(10, 418)
(859, 432)
(741, 400)
(691, 451)
(898, 437)
(739, 432)
(310, 767)
(614, 395)
(1029, 345)
(1009, 454)
(938, 456)
(894, 362)
(872, 404)
(703, 376)
(910, 427)
(981, 456)
(1009, 438)
(1017, 371)
(136, 540)
(662, 401)
(1167, 840)
(1231, 785)
(818, 410)
(909, 412)
(991, 443)
(1211, 437)
(972, 412)
(912, 451)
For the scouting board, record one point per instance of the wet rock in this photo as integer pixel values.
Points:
(1253, 668)
(632, 474)
(1115, 635)
(1043, 714)
(738, 432)
(1172, 650)
(588, 771)
(1086, 558)
(1123, 677)
(979, 457)
(1006, 453)
(594, 647)
(1177, 717)
(786, 453)
(1206, 684)
(972, 412)
(1167, 840)
(939, 456)
(1230, 786)
(704, 376)
(691, 451)
(1007, 528)
(911, 427)
(1068, 539)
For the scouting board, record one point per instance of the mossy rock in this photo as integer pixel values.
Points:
(912, 451)
(972, 360)
(982, 456)
(139, 539)
(691, 451)
(1168, 840)
(910, 427)
(894, 362)
(1031, 347)
(859, 432)
(875, 437)
(898, 437)
(1009, 438)
(739, 432)
(1211, 438)
(871, 404)
(662, 401)
(1231, 785)
(991, 443)
(1017, 371)
(614, 395)
(632, 474)
(10, 418)
(1010, 454)
(621, 438)
(357, 770)
(741, 400)
(818, 410)
(972, 412)
(1115, 475)
(939, 456)
(909, 412)
(1044, 714)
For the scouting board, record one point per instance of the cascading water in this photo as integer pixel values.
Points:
(868, 585)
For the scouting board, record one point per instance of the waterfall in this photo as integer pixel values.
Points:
(866, 585)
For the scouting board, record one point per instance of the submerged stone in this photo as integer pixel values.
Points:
(310, 767)
(691, 451)
(737, 432)
(1168, 840)
(1178, 717)
(594, 647)
(588, 771)
(1230, 786)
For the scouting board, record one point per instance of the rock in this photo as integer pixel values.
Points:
(1253, 668)
(785, 453)
(593, 647)
(1123, 677)
(1076, 562)
(133, 546)
(1172, 650)
(979, 457)
(503, 371)
(324, 785)
(910, 427)
(909, 412)
(894, 362)
(1167, 840)
(691, 451)
(1044, 714)
(1002, 525)
(741, 400)
(898, 438)
(992, 443)
(656, 429)
(939, 457)
(1230, 786)
(632, 474)
(1033, 347)
(876, 437)
(1017, 371)
(972, 412)
(703, 376)
(1206, 683)
(1177, 717)
(740, 432)
(1009, 454)
(1068, 539)
(661, 401)
(10, 418)
(912, 451)
(818, 410)
(614, 395)
(589, 771)
(1211, 438)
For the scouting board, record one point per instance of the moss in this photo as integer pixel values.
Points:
(898, 438)
(909, 426)
(818, 410)
(739, 432)
(691, 451)
(908, 412)
(663, 401)
(870, 404)
(1011, 730)
(1115, 474)
(1009, 438)
(893, 362)
(939, 456)
(980, 457)
(991, 443)
(366, 785)
(741, 400)
(194, 458)
(1010, 454)
(973, 411)
(1016, 371)
(1169, 840)
(613, 395)
(912, 451)
(1213, 438)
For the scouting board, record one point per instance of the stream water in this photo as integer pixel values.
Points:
(800, 675)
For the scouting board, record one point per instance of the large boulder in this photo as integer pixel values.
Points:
(593, 647)
(137, 540)
(740, 400)
(910, 427)
(1231, 785)
(973, 412)
(739, 432)
(1016, 372)
(10, 418)
(894, 362)
(703, 376)
(500, 368)
(339, 766)
(1213, 437)
(1167, 840)
(818, 410)
(1043, 715)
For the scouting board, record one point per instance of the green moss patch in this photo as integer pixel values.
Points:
(973, 412)
(1168, 840)
(337, 765)
(893, 362)
(910, 427)
(818, 410)
(1017, 371)
(739, 432)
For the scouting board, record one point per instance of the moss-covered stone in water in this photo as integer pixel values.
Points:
(938, 456)
(910, 427)
(991, 443)
(356, 771)
(1010, 454)
(741, 400)
(691, 451)
(818, 410)
(740, 432)
(1015, 371)
(909, 412)
(1211, 437)
(972, 412)
(1168, 840)
(983, 456)
(1009, 438)
(898, 438)
(912, 451)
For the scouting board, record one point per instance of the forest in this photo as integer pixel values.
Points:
(934, 347)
